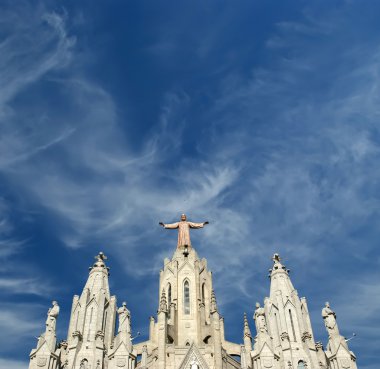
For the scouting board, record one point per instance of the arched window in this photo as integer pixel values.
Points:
(169, 297)
(186, 297)
(301, 365)
(169, 294)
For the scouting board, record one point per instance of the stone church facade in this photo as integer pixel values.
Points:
(188, 331)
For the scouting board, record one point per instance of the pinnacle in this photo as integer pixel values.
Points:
(277, 265)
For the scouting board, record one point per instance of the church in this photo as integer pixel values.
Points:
(188, 330)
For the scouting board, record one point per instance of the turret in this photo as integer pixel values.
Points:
(247, 337)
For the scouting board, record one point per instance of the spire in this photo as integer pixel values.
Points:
(279, 276)
(163, 302)
(213, 302)
(98, 276)
(247, 339)
(247, 331)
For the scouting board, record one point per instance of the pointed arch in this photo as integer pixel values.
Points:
(186, 297)
(301, 365)
(169, 294)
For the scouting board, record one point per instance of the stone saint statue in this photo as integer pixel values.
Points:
(124, 319)
(52, 315)
(259, 317)
(183, 230)
(329, 318)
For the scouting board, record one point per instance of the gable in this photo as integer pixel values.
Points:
(193, 356)
(186, 266)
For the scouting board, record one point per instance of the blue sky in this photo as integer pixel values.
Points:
(259, 116)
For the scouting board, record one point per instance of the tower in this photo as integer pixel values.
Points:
(188, 327)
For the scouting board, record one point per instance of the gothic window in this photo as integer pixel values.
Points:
(169, 296)
(186, 297)
(292, 324)
(301, 365)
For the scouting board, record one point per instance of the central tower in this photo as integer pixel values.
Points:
(189, 330)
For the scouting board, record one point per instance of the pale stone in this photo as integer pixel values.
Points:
(188, 332)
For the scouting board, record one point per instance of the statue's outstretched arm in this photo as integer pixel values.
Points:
(197, 225)
(169, 226)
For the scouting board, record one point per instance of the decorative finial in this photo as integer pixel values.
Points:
(101, 256)
(163, 303)
(213, 301)
(277, 265)
(247, 331)
(276, 258)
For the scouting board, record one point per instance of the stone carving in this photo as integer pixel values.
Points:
(83, 364)
(268, 362)
(194, 364)
(52, 314)
(345, 363)
(41, 361)
(120, 362)
(306, 336)
(284, 336)
(329, 318)
(163, 303)
(259, 317)
(183, 227)
(124, 319)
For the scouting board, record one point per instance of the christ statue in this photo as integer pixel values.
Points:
(183, 227)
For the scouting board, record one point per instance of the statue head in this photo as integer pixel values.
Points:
(257, 305)
(183, 217)
(54, 303)
(327, 304)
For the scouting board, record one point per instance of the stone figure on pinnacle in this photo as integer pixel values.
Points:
(52, 315)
